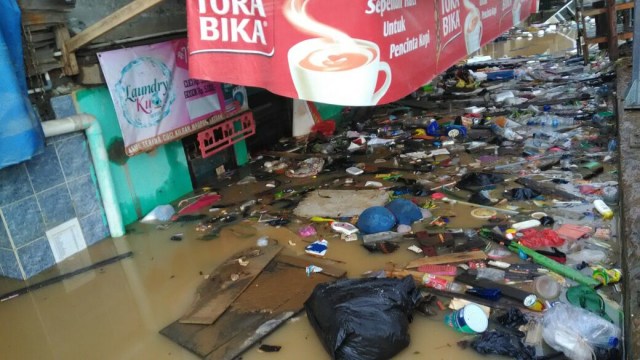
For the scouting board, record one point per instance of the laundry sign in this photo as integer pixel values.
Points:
(356, 52)
(155, 100)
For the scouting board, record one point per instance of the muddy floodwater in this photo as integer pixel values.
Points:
(115, 312)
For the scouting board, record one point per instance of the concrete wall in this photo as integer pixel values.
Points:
(166, 16)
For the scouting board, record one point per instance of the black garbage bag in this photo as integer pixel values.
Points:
(500, 343)
(363, 319)
(480, 199)
(476, 181)
(512, 319)
(524, 194)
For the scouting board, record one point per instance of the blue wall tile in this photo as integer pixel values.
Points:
(84, 195)
(94, 228)
(4, 237)
(24, 221)
(9, 264)
(44, 170)
(74, 157)
(56, 206)
(36, 257)
(63, 106)
(14, 184)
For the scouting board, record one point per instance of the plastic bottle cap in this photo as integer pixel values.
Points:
(438, 196)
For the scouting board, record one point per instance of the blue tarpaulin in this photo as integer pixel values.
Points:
(21, 134)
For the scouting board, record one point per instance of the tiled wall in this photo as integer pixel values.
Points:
(48, 190)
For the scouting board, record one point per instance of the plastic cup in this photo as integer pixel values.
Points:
(471, 319)
(546, 287)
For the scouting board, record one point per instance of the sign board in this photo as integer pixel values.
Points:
(155, 100)
(356, 52)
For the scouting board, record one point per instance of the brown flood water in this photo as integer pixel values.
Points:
(116, 312)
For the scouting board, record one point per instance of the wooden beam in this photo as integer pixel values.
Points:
(68, 58)
(106, 24)
(43, 17)
(612, 20)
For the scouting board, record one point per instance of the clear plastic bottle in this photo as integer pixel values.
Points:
(505, 132)
(439, 283)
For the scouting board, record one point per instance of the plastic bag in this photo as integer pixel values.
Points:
(576, 331)
(495, 342)
(523, 194)
(159, 213)
(536, 239)
(587, 255)
(479, 181)
(480, 198)
(364, 319)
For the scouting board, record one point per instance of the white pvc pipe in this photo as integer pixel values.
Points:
(92, 129)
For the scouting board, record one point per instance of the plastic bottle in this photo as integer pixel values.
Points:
(439, 283)
(561, 121)
(603, 209)
(546, 118)
(505, 133)
(433, 129)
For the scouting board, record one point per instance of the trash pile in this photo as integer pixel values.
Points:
(500, 177)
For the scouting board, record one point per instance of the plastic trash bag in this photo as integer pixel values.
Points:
(479, 181)
(576, 331)
(363, 319)
(501, 343)
(480, 198)
(523, 194)
(159, 213)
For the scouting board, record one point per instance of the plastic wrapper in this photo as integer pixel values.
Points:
(363, 319)
(490, 274)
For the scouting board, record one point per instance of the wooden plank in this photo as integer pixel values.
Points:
(106, 24)
(42, 18)
(327, 268)
(276, 295)
(68, 58)
(612, 22)
(57, 5)
(219, 291)
(448, 259)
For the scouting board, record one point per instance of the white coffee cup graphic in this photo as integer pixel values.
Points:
(472, 31)
(515, 11)
(338, 73)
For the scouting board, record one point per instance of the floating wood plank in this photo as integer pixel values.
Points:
(448, 259)
(218, 292)
(327, 268)
(106, 24)
(276, 295)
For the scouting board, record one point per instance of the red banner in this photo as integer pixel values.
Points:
(356, 52)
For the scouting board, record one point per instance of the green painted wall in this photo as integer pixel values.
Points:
(143, 181)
